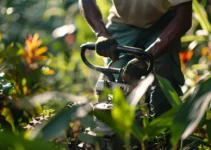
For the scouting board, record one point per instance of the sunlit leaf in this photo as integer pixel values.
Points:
(200, 67)
(136, 130)
(8, 116)
(49, 72)
(201, 15)
(122, 110)
(25, 90)
(190, 38)
(108, 120)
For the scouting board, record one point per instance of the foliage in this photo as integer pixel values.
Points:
(30, 67)
(41, 71)
(11, 141)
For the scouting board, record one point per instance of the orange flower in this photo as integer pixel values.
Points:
(186, 56)
(206, 52)
(32, 53)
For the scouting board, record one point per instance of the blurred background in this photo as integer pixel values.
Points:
(40, 65)
(61, 29)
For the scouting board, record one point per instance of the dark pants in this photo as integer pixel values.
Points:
(167, 65)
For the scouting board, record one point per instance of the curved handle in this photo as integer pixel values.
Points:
(122, 49)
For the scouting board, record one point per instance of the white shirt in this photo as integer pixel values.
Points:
(140, 13)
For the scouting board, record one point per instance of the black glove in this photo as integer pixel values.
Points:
(134, 70)
(107, 47)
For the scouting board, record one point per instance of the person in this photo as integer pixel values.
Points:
(153, 25)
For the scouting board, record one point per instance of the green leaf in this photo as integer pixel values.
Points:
(8, 116)
(160, 124)
(11, 141)
(169, 92)
(201, 16)
(61, 121)
(136, 130)
(122, 117)
(192, 111)
(108, 120)
(121, 110)
(88, 122)
(190, 38)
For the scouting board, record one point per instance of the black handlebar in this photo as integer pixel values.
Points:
(122, 49)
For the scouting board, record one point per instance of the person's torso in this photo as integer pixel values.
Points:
(140, 13)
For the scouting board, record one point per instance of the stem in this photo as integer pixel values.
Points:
(127, 141)
(142, 146)
(181, 144)
(174, 147)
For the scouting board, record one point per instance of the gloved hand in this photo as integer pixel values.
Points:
(107, 47)
(134, 70)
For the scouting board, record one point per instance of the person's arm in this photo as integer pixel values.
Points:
(92, 14)
(178, 26)
(105, 45)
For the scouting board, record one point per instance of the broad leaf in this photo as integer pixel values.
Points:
(6, 112)
(160, 124)
(169, 92)
(136, 130)
(122, 110)
(192, 111)
(62, 120)
(108, 120)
